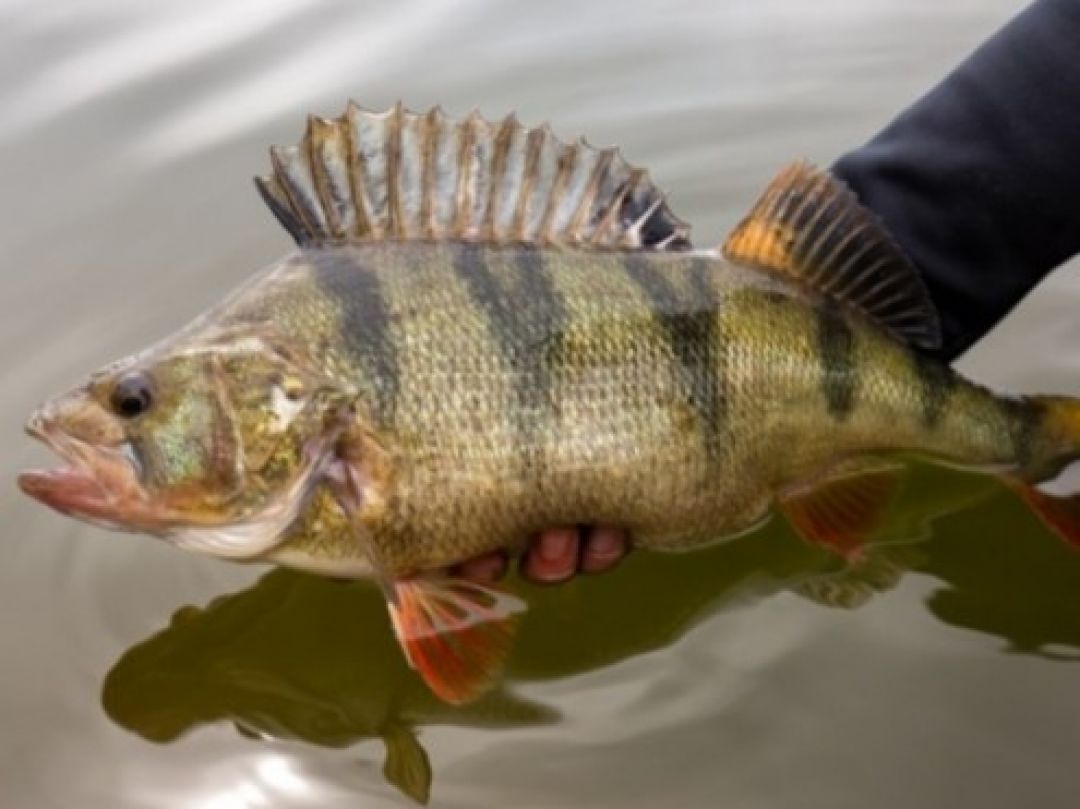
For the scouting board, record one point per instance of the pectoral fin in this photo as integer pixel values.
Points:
(455, 633)
(840, 510)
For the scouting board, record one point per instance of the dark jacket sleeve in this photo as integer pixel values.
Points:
(979, 181)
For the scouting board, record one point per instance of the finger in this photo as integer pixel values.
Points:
(486, 568)
(553, 556)
(604, 546)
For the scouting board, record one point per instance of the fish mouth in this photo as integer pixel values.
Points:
(96, 484)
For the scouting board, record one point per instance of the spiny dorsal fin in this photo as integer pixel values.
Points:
(810, 226)
(400, 175)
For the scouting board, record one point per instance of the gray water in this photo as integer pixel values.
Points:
(129, 132)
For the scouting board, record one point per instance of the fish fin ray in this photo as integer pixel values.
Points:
(810, 227)
(879, 570)
(399, 175)
(455, 633)
(1046, 480)
(841, 510)
(1060, 514)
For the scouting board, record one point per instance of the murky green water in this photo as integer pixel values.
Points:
(138, 676)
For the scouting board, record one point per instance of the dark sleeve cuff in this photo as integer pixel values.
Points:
(979, 181)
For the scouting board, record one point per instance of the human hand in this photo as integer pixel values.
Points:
(555, 555)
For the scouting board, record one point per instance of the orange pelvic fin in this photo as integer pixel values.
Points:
(455, 633)
(843, 508)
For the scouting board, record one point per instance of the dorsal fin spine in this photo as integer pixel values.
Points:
(286, 165)
(499, 144)
(577, 186)
(499, 168)
(534, 143)
(548, 161)
(427, 170)
(371, 175)
(482, 177)
(564, 161)
(331, 175)
(369, 226)
(444, 164)
(639, 223)
(464, 177)
(394, 224)
(392, 158)
(579, 223)
(612, 214)
(358, 219)
(568, 182)
(591, 175)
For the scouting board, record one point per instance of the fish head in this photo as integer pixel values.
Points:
(213, 444)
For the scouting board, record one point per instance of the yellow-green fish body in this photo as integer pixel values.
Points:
(511, 388)
(488, 332)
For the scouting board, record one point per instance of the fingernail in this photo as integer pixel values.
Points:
(490, 568)
(605, 542)
(555, 545)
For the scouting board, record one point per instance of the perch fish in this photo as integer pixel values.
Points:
(487, 331)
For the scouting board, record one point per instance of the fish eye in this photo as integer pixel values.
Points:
(132, 395)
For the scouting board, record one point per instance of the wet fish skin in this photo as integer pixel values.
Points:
(516, 388)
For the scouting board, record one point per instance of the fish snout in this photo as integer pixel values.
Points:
(76, 415)
(96, 479)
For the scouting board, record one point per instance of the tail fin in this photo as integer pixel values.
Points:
(1054, 445)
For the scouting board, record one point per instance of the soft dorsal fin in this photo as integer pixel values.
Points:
(398, 175)
(809, 226)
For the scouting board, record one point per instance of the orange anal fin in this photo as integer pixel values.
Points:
(455, 633)
(843, 509)
(1060, 514)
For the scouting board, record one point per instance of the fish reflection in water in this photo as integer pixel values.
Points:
(297, 656)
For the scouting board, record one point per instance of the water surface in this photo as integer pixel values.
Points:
(139, 676)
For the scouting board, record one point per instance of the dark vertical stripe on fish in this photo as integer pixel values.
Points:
(525, 316)
(365, 325)
(836, 350)
(936, 384)
(691, 328)
(542, 310)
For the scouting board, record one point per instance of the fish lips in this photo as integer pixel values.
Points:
(96, 484)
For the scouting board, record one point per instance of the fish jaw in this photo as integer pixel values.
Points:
(97, 483)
